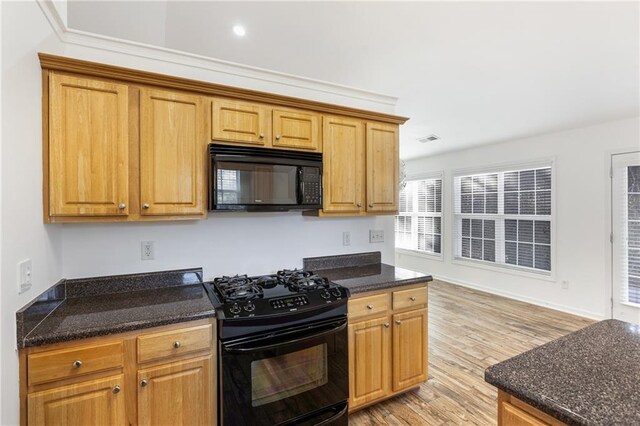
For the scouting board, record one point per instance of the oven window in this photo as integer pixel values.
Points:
(276, 378)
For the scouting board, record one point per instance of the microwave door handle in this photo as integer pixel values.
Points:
(300, 187)
(247, 349)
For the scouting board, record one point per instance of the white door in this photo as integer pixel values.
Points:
(625, 211)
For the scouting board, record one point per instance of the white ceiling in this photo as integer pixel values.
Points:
(472, 73)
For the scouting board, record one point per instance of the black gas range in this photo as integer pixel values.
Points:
(283, 349)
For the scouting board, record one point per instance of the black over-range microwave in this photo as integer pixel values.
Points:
(263, 179)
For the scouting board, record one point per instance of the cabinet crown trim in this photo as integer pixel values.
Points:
(87, 68)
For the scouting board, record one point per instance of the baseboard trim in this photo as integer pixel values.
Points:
(531, 300)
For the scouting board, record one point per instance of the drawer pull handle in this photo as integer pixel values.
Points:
(143, 382)
(277, 137)
(412, 298)
(77, 363)
(386, 325)
(261, 135)
(398, 322)
(369, 307)
(176, 344)
(116, 389)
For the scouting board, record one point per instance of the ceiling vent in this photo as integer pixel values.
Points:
(430, 138)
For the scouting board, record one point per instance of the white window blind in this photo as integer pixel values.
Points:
(418, 225)
(503, 218)
(631, 250)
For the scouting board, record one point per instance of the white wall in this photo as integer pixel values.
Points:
(253, 243)
(582, 255)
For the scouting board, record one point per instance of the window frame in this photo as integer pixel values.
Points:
(414, 223)
(522, 271)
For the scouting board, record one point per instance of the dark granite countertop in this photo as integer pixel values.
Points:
(362, 272)
(107, 305)
(589, 377)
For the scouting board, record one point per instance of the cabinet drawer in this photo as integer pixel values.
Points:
(368, 306)
(175, 342)
(414, 297)
(64, 363)
(510, 415)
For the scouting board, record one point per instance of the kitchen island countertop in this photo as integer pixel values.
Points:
(589, 377)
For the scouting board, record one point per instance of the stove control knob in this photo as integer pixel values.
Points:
(235, 309)
(325, 294)
(336, 292)
(250, 307)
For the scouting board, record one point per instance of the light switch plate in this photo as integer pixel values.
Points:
(376, 236)
(346, 238)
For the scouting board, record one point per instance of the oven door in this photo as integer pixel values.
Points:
(295, 376)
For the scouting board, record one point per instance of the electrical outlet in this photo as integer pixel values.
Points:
(565, 284)
(376, 236)
(147, 250)
(24, 276)
(346, 238)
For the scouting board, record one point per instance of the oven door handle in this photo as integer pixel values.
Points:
(247, 349)
(334, 417)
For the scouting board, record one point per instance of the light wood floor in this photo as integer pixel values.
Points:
(468, 331)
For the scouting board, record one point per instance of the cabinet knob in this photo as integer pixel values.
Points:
(143, 382)
(277, 137)
(261, 135)
(371, 205)
(122, 206)
(176, 344)
(398, 322)
(412, 298)
(386, 325)
(359, 204)
(369, 306)
(116, 389)
(145, 206)
(77, 363)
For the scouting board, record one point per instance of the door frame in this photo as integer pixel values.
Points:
(608, 217)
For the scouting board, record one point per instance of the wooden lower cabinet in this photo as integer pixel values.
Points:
(387, 347)
(94, 402)
(513, 412)
(173, 388)
(369, 360)
(409, 349)
(176, 394)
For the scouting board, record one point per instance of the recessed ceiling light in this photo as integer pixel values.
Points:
(430, 138)
(239, 30)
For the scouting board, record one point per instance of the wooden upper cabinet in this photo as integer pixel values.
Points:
(176, 394)
(409, 349)
(243, 122)
(95, 402)
(173, 144)
(296, 130)
(88, 147)
(368, 361)
(382, 167)
(343, 162)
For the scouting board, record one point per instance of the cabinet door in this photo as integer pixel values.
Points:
(176, 394)
(173, 144)
(296, 130)
(409, 349)
(241, 122)
(369, 349)
(382, 167)
(88, 147)
(343, 162)
(511, 415)
(94, 402)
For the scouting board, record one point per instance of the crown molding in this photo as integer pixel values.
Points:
(96, 41)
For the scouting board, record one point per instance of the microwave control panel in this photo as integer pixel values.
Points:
(311, 185)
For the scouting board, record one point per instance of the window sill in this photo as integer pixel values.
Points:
(417, 253)
(546, 276)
